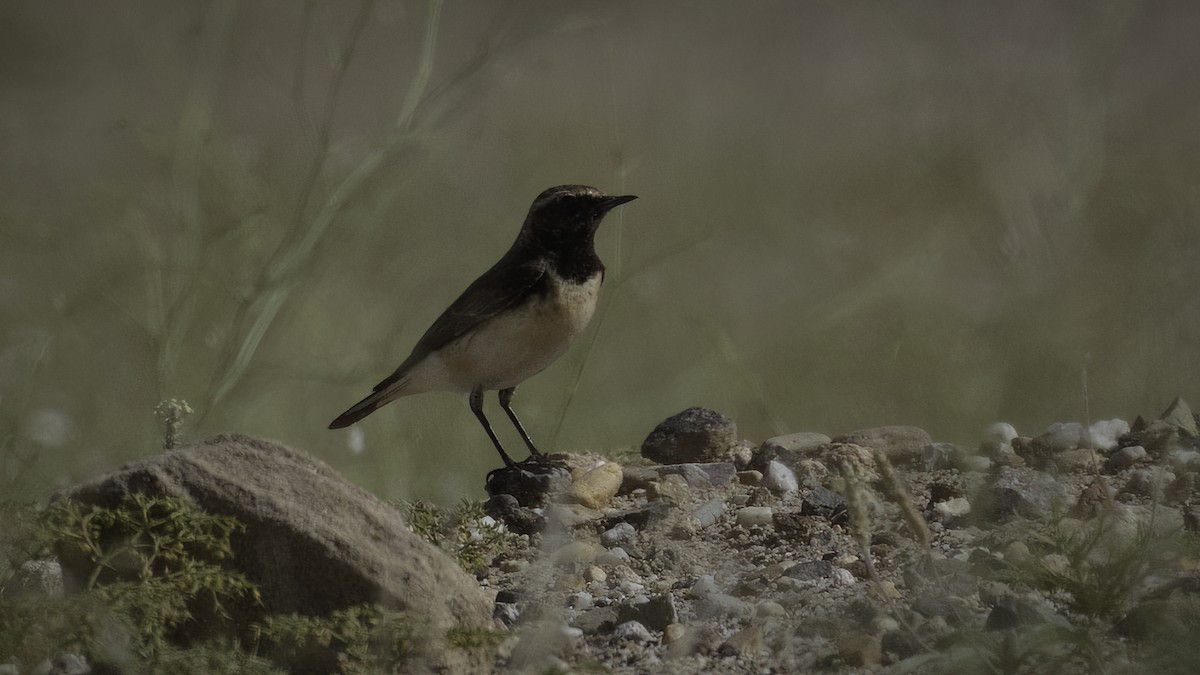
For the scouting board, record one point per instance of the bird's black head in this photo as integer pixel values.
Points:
(566, 217)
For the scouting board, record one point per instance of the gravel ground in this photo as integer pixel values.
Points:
(875, 551)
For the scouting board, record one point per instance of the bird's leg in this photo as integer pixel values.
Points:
(477, 408)
(506, 396)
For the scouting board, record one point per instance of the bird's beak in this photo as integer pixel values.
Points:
(611, 203)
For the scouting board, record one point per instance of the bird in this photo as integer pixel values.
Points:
(513, 321)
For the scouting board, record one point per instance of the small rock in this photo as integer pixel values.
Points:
(567, 516)
(575, 552)
(1180, 416)
(1149, 482)
(780, 479)
(694, 435)
(1127, 457)
(901, 444)
(613, 557)
(1105, 434)
(35, 580)
(519, 519)
(952, 508)
(580, 600)
(512, 566)
(673, 633)
(707, 513)
(843, 577)
(742, 454)
(1000, 432)
(506, 612)
(596, 620)
(749, 477)
(1182, 488)
(1017, 552)
(717, 605)
(636, 477)
(700, 475)
(672, 490)
(789, 449)
(747, 641)
(1026, 492)
(826, 504)
(768, 609)
(940, 491)
(754, 515)
(621, 534)
(1004, 454)
(1184, 460)
(888, 590)
(792, 525)
(632, 630)
(529, 482)
(66, 663)
(595, 487)
(1062, 436)
(860, 650)
(656, 614)
(975, 463)
(940, 456)
(640, 517)
(811, 474)
(1078, 460)
(593, 573)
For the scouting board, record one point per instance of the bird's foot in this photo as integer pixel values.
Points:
(529, 480)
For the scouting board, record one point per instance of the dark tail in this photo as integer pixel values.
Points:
(360, 410)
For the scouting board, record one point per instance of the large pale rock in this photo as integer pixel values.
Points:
(314, 542)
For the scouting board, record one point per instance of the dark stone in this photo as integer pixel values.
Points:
(314, 542)
(1025, 492)
(826, 503)
(506, 612)
(519, 519)
(640, 517)
(791, 524)
(637, 478)
(531, 482)
(655, 614)
(940, 491)
(694, 435)
(597, 620)
(901, 644)
(511, 595)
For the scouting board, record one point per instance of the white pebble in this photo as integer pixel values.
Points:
(1103, 435)
(632, 630)
(843, 577)
(754, 515)
(1000, 432)
(780, 479)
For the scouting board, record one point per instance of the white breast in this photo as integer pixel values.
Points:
(511, 347)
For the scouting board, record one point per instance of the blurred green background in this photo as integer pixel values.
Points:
(851, 214)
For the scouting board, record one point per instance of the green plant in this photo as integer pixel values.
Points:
(172, 412)
(155, 562)
(362, 639)
(465, 533)
(1094, 569)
